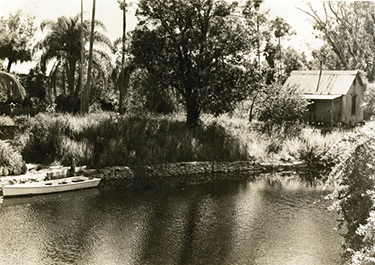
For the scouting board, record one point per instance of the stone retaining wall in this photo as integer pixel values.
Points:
(185, 172)
(162, 174)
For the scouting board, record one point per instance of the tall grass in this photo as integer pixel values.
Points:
(310, 144)
(108, 139)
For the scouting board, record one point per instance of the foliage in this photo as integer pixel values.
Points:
(369, 101)
(193, 47)
(280, 29)
(11, 162)
(258, 27)
(347, 28)
(123, 72)
(36, 84)
(282, 109)
(44, 138)
(292, 60)
(16, 36)
(104, 139)
(266, 36)
(101, 140)
(63, 44)
(11, 89)
(309, 145)
(354, 196)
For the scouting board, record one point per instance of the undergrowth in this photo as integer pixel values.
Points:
(109, 139)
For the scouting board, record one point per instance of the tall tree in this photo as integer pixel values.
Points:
(81, 89)
(280, 29)
(258, 27)
(15, 40)
(193, 46)
(348, 29)
(62, 44)
(258, 30)
(88, 84)
(123, 77)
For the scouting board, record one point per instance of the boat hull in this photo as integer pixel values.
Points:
(50, 186)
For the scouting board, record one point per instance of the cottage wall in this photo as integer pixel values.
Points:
(355, 90)
(327, 110)
(323, 110)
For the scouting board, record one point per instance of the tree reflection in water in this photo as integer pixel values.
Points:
(229, 222)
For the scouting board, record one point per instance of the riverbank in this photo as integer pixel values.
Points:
(159, 174)
(102, 140)
(162, 146)
(187, 173)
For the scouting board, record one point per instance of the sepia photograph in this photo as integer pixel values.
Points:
(192, 132)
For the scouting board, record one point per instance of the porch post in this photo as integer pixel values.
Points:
(331, 113)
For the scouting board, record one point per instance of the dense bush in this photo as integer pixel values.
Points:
(11, 162)
(354, 197)
(282, 110)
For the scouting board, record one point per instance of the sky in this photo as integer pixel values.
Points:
(109, 13)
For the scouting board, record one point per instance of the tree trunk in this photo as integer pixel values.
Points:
(121, 87)
(88, 85)
(63, 81)
(81, 89)
(9, 65)
(71, 74)
(192, 112)
(252, 108)
(122, 77)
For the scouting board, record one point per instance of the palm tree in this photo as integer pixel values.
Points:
(62, 44)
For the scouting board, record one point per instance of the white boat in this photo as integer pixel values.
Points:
(50, 186)
(73, 195)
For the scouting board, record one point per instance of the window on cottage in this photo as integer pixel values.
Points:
(354, 104)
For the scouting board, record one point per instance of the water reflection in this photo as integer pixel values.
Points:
(223, 223)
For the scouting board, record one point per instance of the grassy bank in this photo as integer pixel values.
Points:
(108, 139)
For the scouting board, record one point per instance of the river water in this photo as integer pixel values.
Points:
(231, 222)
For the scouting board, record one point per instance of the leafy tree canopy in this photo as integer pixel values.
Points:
(16, 35)
(194, 47)
(347, 29)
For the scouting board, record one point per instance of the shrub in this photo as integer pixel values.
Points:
(45, 136)
(11, 162)
(354, 196)
(282, 110)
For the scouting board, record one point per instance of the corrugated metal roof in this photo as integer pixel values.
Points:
(330, 83)
(329, 97)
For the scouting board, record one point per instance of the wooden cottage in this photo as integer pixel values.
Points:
(334, 96)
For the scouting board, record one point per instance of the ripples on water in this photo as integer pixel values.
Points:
(247, 222)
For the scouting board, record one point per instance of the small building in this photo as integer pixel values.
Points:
(335, 96)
